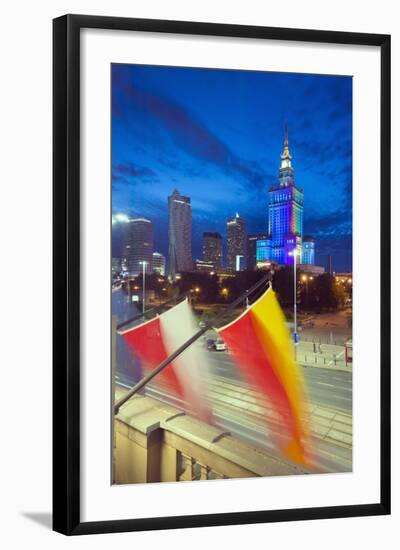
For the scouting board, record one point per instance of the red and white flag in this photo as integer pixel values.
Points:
(186, 377)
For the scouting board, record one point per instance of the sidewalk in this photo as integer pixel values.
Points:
(325, 356)
(339, 367)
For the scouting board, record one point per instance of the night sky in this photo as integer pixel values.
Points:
(217, 136)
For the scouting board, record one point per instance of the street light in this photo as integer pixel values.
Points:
(306, 279)
(144, 264)
(295, 253)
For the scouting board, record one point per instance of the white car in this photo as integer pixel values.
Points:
(220, 345)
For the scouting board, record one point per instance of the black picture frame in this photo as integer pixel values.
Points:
(66, 261)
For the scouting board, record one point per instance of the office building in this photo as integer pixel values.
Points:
(236, 243)
(138, 245)
(308, 252)
(212, 249)
(159, 263)
(179, 233)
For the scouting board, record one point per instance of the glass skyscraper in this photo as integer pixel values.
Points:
(138, 245)
(159, 263)
(236, 243)
(179, 233)
(212, 248)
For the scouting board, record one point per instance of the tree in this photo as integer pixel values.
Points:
(283, 285)
(326, 293)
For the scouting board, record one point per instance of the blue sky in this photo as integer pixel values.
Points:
(217, 136)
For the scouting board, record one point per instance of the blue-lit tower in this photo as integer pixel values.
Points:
(285, 223)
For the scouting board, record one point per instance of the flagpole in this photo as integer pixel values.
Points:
(208, 324)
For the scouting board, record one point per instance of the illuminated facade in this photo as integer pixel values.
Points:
(159, 263)
(236, 243)
(179, 233)
(212, 249)
(263, 250)
(251, 249)
(308, 251)
(138, 246)
(285, 221)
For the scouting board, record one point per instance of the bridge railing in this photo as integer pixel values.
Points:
(154, 442)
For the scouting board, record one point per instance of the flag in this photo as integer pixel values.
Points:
(153, 341)
(262, 348)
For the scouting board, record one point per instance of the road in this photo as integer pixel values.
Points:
(330, 388)
(237, 408)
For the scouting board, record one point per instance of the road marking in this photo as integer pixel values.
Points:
(325, 384)
(341, 397)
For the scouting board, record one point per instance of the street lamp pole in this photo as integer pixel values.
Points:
(295, 336)
(144, 263)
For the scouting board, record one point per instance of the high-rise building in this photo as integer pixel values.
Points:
(202, 265)
(236, 243)
(159, 263)
(285, 224)
(253, 242)
(179, 233)
(138, 245)
(212, 249)
(115, 265)
(308, 251)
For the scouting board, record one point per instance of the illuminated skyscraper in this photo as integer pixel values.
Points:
(236, 243)
(212, 248)
(285, 224)
(179, 233)
(159, 263)
(308, 251)
(138, 245)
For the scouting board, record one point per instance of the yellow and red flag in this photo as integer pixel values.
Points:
(262, 347)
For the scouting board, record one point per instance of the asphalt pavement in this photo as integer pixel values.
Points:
(329, 391)
(327, 387)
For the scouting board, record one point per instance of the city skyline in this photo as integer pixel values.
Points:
(227, 165)
(242, 250)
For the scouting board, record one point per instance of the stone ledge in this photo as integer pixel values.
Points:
(146, 415)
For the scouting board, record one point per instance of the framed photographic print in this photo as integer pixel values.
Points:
(221, 274)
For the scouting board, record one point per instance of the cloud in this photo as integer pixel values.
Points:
(188, 133)
(131, 170)
(337, 223)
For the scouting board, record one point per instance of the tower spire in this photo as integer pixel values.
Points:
(286, 153)
(286, 172)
